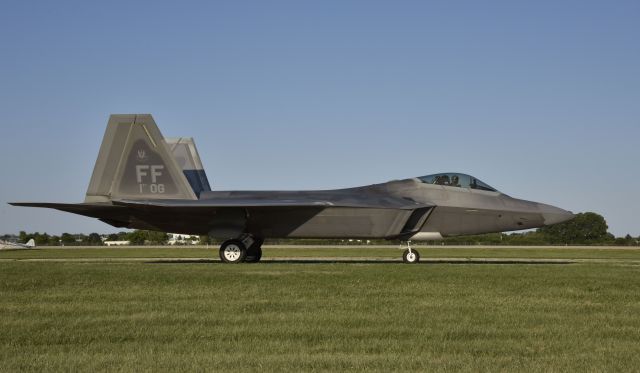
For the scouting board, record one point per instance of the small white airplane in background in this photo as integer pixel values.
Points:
(12, 245)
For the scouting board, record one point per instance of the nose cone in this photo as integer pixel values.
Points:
(554, 215)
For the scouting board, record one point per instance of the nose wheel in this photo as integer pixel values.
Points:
(410, 256)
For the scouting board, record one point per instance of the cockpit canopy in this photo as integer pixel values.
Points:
(456, 180)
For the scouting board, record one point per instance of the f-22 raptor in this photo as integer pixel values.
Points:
(142, 180)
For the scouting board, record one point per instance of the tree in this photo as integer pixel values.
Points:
(41, 239)
(137, 237)
(585, 228)
(54, 241)
(67, 239)
(140, 237)
(157, 238)
(23, 237)
(94, 239)
(626, 241)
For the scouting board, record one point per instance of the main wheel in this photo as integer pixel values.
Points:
(254, 253)
(410, 257)
(233, 251)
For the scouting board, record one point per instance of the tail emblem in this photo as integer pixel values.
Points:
(142, 155)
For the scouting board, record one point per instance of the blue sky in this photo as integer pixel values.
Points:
(539, 99)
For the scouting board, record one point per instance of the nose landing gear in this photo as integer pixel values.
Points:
(410, 256)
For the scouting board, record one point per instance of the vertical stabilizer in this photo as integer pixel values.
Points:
(186, 155)
(31, 243)
(135, 163)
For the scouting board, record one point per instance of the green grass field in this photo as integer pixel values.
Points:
(278, 316)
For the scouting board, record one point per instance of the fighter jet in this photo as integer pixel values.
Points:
(13, 245)
(142, 180)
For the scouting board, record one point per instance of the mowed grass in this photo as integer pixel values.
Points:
(145, 316)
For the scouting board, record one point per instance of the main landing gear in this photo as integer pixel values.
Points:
(410, 256)
(246, 249)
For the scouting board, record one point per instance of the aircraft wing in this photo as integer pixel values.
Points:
(379, 203)
(371, 217)
(83, 208)
(392, 216)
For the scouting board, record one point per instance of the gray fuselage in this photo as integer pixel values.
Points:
(452, 211)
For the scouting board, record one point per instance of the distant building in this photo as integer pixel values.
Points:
(117, 243)
(183, 239)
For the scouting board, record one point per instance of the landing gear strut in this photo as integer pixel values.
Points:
(410, 256)
(244, 249)
(254, 253)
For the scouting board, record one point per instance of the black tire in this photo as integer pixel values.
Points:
(233, 251)
(412, 257)
(254, 255)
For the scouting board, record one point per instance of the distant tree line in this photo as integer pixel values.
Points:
(137, 237)
(65, 239)
(587, 228)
